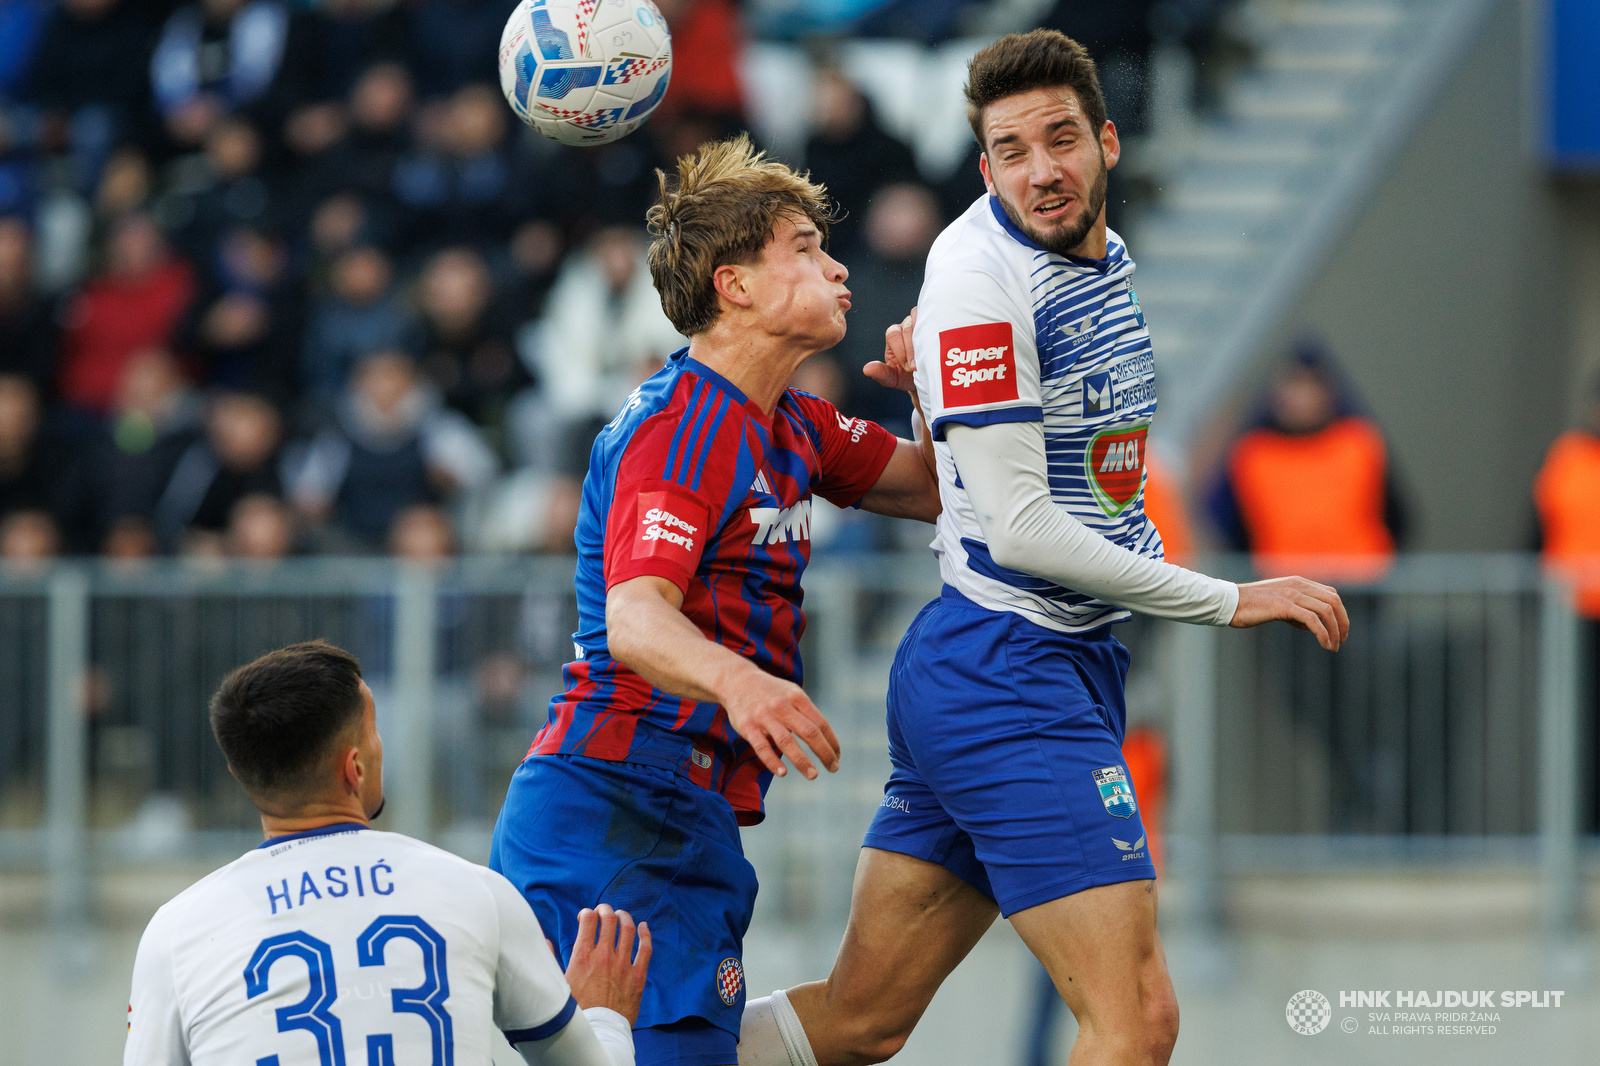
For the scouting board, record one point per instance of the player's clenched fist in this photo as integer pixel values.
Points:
(770, 713)
(1303, 603)
(604, 970)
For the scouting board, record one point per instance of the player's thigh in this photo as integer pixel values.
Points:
(911, 923)
(1105, 957)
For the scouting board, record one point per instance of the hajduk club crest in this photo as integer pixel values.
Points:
(730, 980)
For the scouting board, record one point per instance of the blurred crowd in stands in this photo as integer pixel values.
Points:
(282, 277)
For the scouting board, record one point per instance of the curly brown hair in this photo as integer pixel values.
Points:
(722, 209)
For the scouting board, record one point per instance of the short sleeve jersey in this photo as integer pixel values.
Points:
(342, 944)
(694, 483)
(1010, 332)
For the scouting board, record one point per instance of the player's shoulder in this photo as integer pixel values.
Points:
(977, 241)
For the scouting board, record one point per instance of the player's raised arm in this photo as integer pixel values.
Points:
(647, 631)
(909, 484)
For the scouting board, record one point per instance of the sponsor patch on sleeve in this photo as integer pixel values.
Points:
(669, 526)
(979, 365)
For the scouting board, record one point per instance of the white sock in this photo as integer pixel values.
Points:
(770, 1034)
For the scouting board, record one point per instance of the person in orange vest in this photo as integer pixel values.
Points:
(1566, 493)
(1308, 487)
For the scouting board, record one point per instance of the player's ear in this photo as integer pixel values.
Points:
(983, 168)
(1110, 146)
(351, 770)
(729, 281)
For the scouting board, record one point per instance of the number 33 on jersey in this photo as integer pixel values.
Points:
(335, 948)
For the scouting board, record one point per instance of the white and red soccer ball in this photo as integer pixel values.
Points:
(585, 71)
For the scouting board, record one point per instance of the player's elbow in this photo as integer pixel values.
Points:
(1008, 550)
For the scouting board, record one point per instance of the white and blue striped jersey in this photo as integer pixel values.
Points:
(1009, 332)
(339, 946)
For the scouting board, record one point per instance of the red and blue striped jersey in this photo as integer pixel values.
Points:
(694, 483)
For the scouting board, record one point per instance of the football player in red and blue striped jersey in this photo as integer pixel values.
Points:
(684, 695)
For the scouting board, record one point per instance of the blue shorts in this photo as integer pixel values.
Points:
(576, 832)
(1005, 742)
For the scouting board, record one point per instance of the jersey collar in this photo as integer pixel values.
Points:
(717, 381)
(320, 831)
(1098, 265)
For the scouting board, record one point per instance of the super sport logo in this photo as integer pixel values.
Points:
(667, 525)
(979, 364)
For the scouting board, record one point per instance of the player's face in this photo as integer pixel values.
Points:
(798, 288)
(1048, 167)
(371, 748)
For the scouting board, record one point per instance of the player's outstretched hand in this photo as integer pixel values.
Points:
(605, 971)
(771, 713)
(1303, 603)
(899, 361)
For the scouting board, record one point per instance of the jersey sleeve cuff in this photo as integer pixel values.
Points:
(631, 569)
(1230, 604)
(546, 1030)
(974, 419)
(887, 442)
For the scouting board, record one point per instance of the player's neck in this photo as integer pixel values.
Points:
(1094, 245)
(758, 366)
(314, 816)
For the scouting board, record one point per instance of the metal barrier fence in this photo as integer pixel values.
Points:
(1448, 728)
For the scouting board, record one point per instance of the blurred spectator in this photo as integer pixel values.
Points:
(351, 36)
(394, 446)
(536, 250)
(456, 43)
(604, 330)
(221, 57)
(158, 416)
(21, 24)
(885, 278)
(237, 457)
(362, 314)
(246, 327)
(28, 332)
(358, 156)
(707, 43)
(466, 350)
(230, 191)
(28, 537)
(1308, 487)
(26, 481)
(1567, 495)
(260, 527)
(1164, 507)
(129, 539)
(90, 81)
(851, 153)
(136, 302)
(422, 534)
(455, 185)
(126, 185)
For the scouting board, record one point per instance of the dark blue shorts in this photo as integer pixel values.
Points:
(1005, 742)
(576, 832)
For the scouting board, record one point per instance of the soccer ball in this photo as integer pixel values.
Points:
(585, 71)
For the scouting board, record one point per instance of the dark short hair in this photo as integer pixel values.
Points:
(1022, 62)
(277, 718)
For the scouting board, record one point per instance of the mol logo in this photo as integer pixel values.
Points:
(979, 365)
(1114, 464)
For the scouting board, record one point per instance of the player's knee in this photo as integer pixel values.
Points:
(1160, 1027)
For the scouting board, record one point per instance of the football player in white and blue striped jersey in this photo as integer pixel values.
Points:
(1008, 792)
(333, 944)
